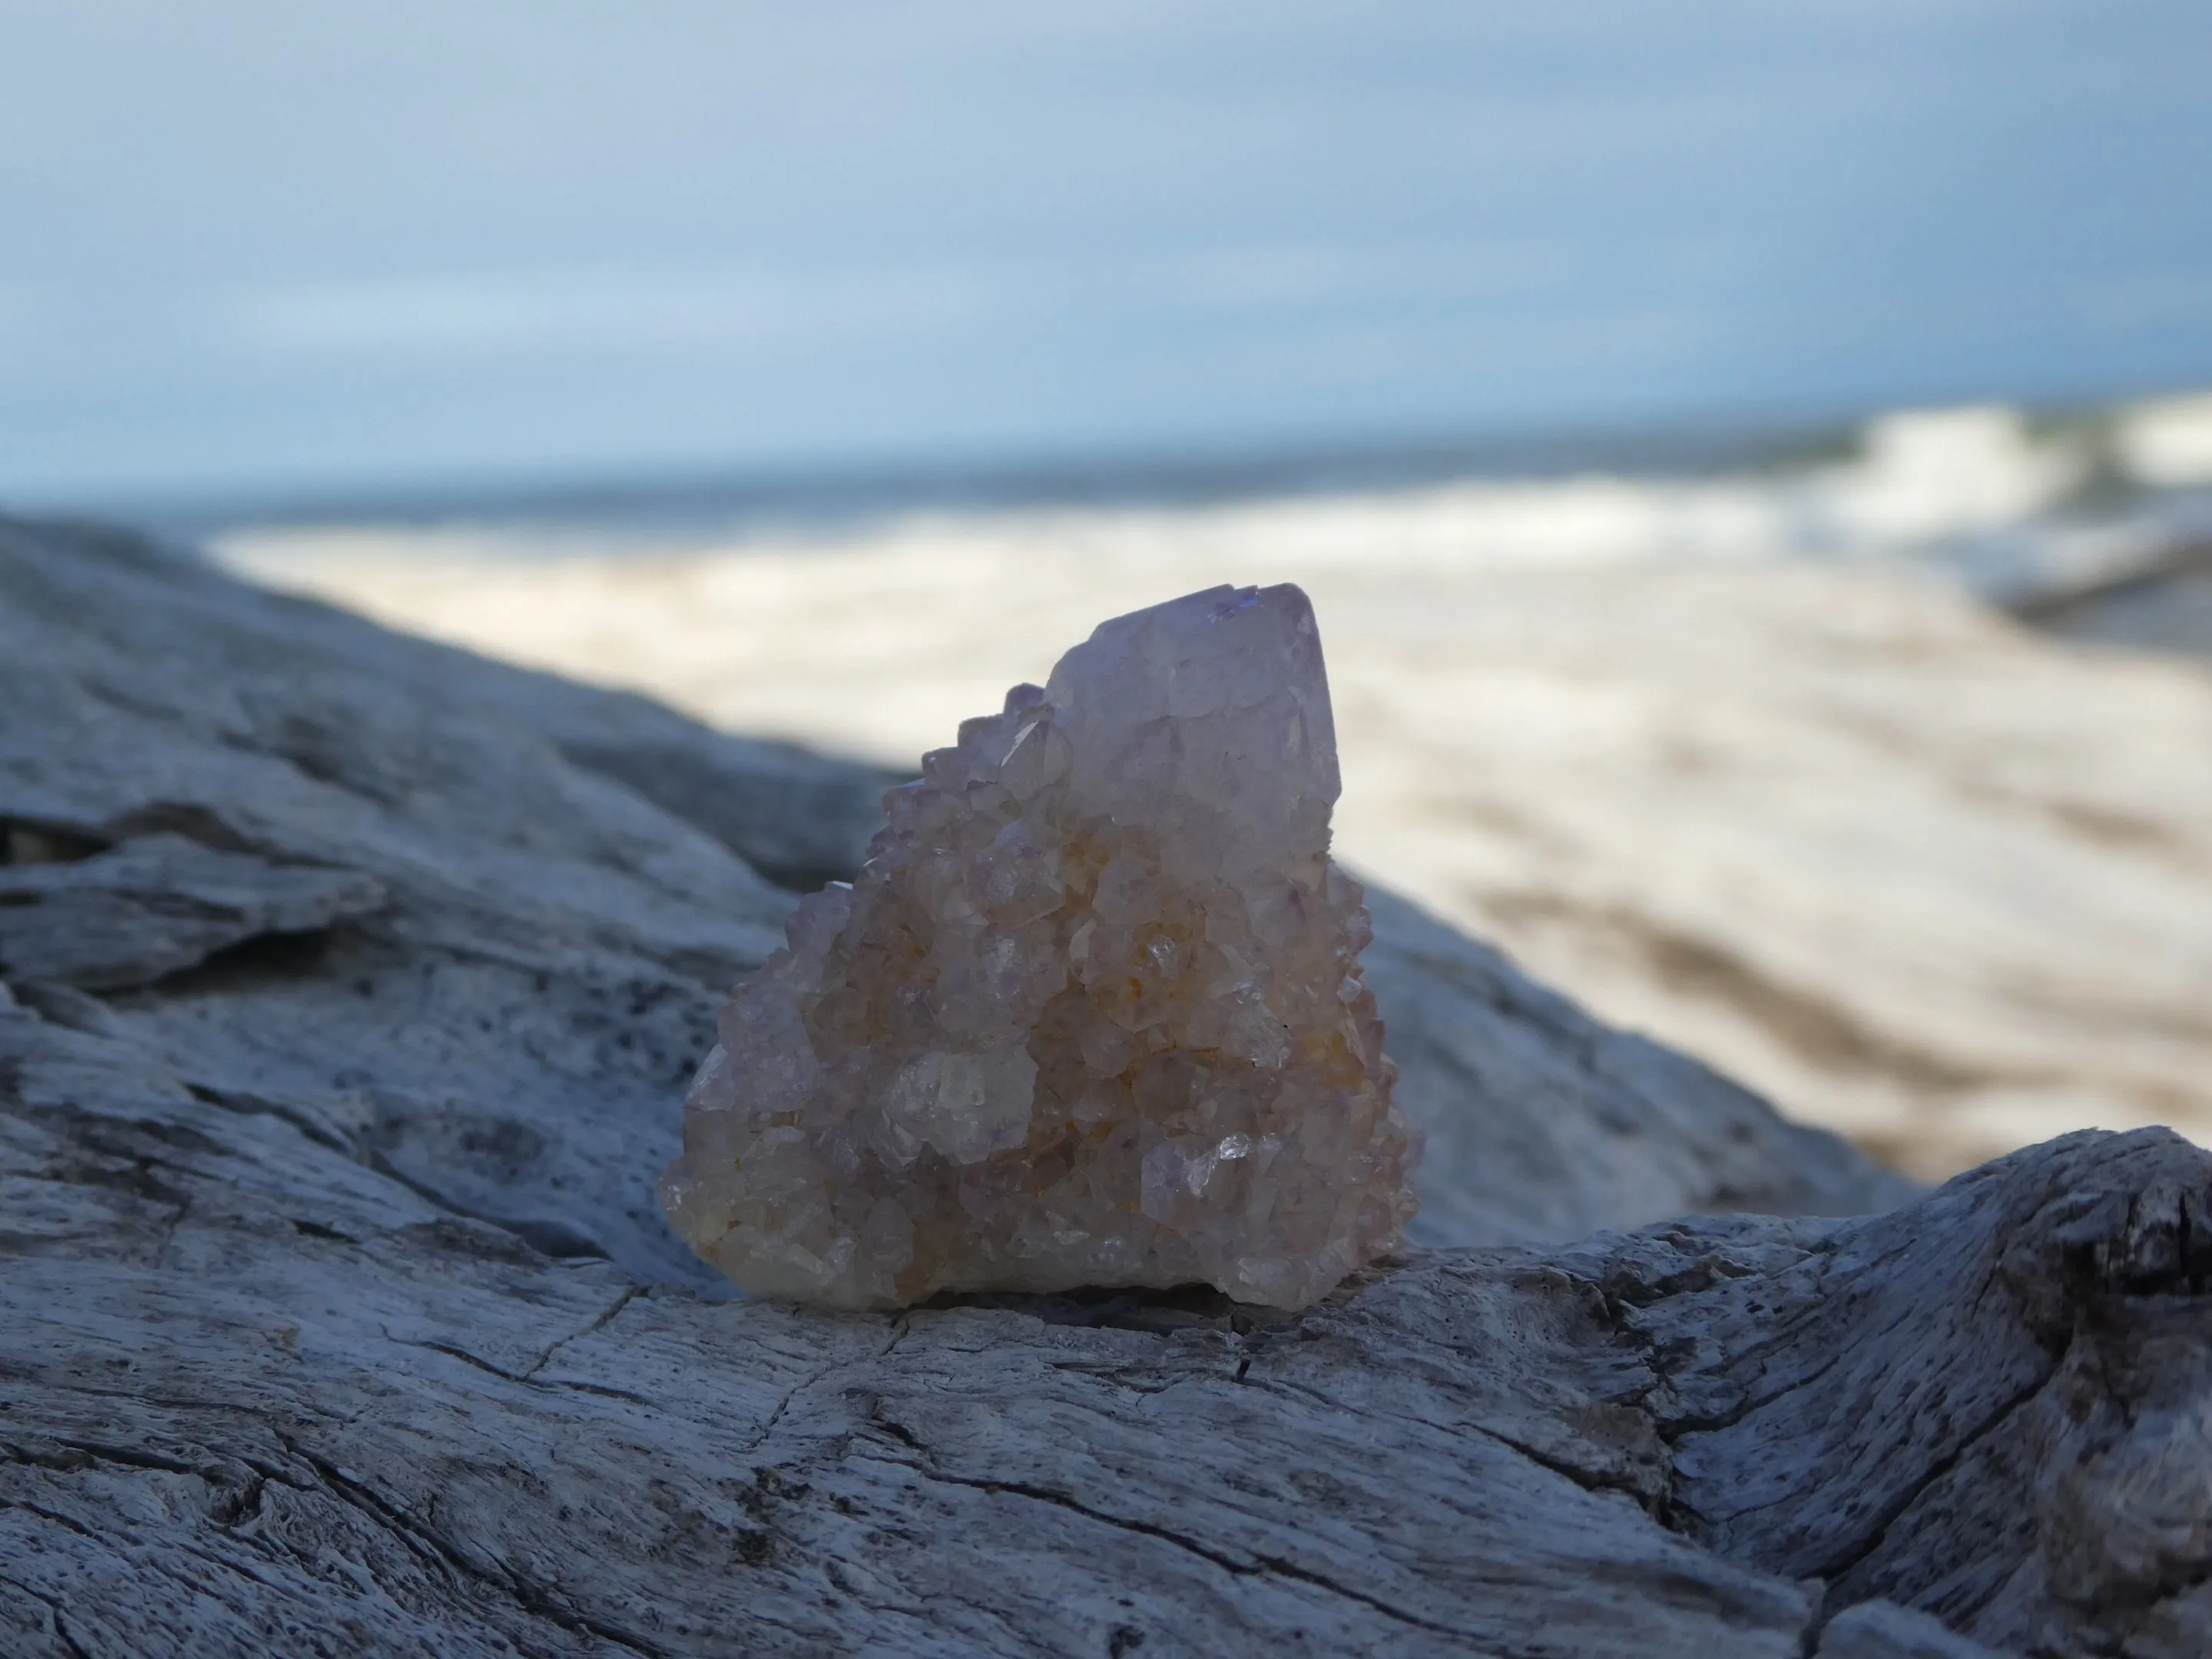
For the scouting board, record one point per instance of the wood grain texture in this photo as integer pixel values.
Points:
(336, 1315)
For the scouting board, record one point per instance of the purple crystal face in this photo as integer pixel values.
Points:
(1091, 1014)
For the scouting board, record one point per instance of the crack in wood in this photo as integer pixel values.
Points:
(1258, 1563)
(434, 1548)
(54, 1613)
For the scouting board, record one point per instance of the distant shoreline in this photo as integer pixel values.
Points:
(710, 508)
(833, 496)
(713, 502)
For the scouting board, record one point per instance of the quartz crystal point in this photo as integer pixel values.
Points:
(1090, 1014)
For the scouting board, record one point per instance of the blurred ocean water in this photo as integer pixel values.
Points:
(1781, 762)
(2025, 510)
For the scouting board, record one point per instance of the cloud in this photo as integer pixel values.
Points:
(536, 313)
(586, 311)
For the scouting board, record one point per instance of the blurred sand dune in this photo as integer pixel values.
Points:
(1921, 875)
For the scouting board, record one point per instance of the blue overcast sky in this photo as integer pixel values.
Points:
(265, 244)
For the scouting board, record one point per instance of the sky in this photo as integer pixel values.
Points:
(253, 246)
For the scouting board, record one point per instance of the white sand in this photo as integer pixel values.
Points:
(1916, 873)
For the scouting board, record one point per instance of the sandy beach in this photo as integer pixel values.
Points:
(1918, 873)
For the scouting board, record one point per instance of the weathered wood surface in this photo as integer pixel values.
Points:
(355, 992)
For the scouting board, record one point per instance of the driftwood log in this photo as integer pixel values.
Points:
(348, 987)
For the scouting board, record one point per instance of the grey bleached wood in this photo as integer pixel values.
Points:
(159, 904)
(1882, 1629)
(336, 1315)
(257, 1400)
